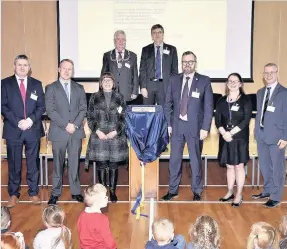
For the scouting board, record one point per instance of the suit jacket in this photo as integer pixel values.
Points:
(61, 112)
(199, 110)
(127, 76)
(147, 64)
(275, 123)
(12, 108)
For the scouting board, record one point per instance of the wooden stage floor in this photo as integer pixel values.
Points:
(234, 223)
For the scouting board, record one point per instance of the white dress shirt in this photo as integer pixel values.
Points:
(25, 82)
(272, 87)
(117, 54)
(182, 87)
(69, 86)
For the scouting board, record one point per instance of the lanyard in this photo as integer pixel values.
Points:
(229, 108)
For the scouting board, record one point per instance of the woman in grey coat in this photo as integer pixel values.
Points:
(108, 142)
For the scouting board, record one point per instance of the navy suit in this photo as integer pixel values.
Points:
(199, 116)
(12, 109)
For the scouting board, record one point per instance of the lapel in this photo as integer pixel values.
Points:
(102, 102)
(194, 85)
(72, 93)
(61, 89)
(29, 90)
(113, 103)
(275, 92)
(16, 88)
(180, 87)
(165, 57)
(114, 59)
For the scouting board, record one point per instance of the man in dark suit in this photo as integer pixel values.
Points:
(158, 62)
(189, 97)
(22, 106)
(66, 107)
(271, 135)
(122, 63)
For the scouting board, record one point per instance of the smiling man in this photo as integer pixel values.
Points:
(271, 135)
(22, 106)
(158, 62)
(66, 107)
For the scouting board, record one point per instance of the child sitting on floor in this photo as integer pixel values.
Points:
(262, 236)
(163, 236)
(93, 226)
(204, 234)
(57, 235)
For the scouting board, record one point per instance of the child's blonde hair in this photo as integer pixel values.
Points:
(205, 233)
(283, 226)
(5, 217)
(163, 230)
(262, 235)
(92, 191)
(54, 216)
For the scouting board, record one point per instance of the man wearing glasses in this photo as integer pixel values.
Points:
(190, 98)
(158, 62)
(271, 135)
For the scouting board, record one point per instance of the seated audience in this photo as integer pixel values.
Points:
(262, 236)
(12, 241)
(56, 235)
(283, 231)
(93, 226)
(163, 236)
(204, 234)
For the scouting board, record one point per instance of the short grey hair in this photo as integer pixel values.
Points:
(119, 32)
(271, 64)
(21, 56)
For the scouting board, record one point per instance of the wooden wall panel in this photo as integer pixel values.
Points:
(31, 27)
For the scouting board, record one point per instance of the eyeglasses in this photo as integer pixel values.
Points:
(270, 73)
(188, 62)
(157, 32)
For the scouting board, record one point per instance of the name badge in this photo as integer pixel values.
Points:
(165, 51)
(271, 108)
(195, 94)
(127, 65)
(235, 108)
(33, 96)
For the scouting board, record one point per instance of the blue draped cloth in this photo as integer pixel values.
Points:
(147, 132)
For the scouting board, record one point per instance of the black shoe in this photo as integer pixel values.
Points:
(271, 204)
(234, 204)
(53, 200)
(227, 199)
(168, 197)
(78, 198)
(260, 196)
(113, 196)
(113, 173)
(196, 197)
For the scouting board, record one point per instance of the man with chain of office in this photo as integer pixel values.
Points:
(122, 63)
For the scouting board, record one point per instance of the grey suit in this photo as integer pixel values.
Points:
(127, 76)
(61, 112)
(271, 158)
(199, 115)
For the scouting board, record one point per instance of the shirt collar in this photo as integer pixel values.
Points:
(273, 85)
(18, 78)
(64, 81)
(191, 75)
(161, 45)
(123, 52)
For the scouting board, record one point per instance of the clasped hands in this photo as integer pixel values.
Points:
(103, 136)
(25, 124)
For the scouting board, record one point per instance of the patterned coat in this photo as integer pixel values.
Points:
(106, 120)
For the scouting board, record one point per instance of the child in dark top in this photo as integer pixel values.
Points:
(163, 236)
(93, 226)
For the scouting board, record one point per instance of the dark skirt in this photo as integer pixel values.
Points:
(234, 152)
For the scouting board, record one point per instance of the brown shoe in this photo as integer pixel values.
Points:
(35, 200)
(13, 201)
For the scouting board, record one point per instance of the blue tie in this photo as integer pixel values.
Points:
(158, 63)
(67, 91)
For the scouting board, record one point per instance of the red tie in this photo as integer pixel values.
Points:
(23, 94)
